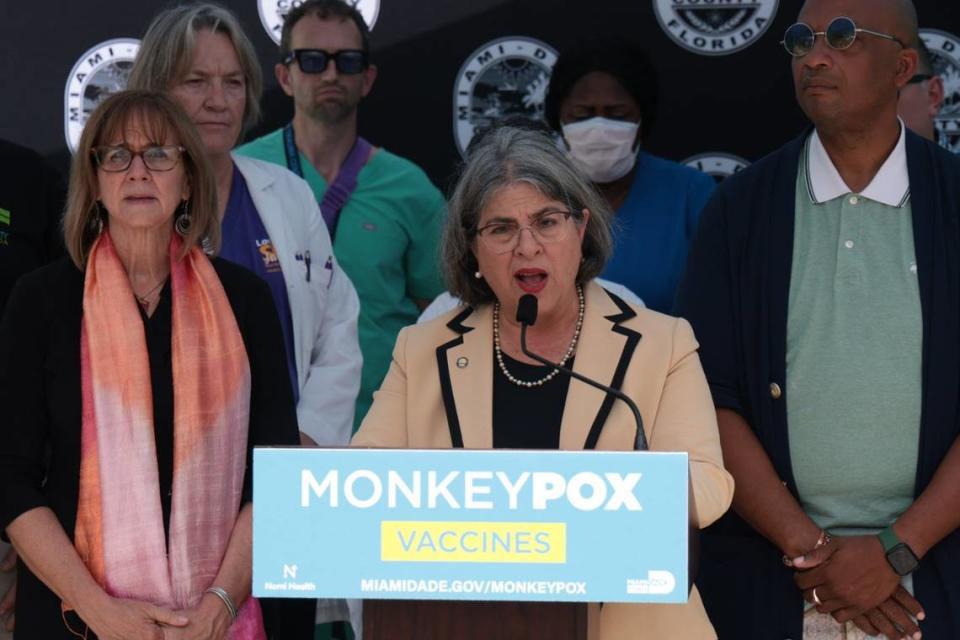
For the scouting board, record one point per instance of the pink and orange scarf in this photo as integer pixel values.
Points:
(119, 528)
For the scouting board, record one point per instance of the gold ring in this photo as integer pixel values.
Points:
(816, 600)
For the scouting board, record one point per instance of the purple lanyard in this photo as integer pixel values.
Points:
(338, 191)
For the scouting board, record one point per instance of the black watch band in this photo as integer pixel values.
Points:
(899, 554)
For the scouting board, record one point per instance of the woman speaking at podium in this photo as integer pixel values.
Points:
(522, 220)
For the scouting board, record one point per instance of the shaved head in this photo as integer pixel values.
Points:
(854, 87)
(897, 17)
(906, 25)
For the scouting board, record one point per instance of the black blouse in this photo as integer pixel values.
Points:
(40, 394)
(528, 417)
(157, 330)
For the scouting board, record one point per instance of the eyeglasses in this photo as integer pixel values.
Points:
(840, 34)
(347, 61)
(503, 237)
(158, 158)
(919, 77)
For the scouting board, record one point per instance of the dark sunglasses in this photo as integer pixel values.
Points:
(347, 61)
(920, 77)
(841, 33)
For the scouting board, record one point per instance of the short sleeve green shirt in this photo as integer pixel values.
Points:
(854, 338)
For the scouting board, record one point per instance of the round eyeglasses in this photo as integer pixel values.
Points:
(156, 158)
(503, 236)
(347, 61)
(841, 33)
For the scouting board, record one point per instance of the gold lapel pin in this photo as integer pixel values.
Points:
(462, 362)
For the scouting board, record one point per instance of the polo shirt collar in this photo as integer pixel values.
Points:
(891, 185)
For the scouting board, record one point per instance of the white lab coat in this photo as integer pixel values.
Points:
(324, 309)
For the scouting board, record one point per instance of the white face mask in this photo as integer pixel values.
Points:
(602, 148)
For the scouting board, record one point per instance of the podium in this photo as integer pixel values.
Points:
(473, 543)
(471, 620)
(491, 620)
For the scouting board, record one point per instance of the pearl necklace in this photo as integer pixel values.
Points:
(552, 374)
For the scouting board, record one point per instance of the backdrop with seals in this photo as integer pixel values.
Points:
(446, 67)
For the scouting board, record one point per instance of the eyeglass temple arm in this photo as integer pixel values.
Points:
(885, 36)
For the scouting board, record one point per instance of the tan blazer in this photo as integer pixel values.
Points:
(438, 394)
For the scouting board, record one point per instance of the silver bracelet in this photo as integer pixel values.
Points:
(227, 601)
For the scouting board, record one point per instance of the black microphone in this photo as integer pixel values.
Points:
(527, 317)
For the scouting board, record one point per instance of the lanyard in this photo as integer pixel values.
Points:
(338, 191)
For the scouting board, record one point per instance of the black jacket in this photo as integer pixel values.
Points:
(735, 293)
(31, 195)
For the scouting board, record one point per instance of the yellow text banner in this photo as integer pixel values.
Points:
(510, 542)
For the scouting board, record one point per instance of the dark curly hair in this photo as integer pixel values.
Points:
(625, 61)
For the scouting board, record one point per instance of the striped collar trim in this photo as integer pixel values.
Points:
(891, 185)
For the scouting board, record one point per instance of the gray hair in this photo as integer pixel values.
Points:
(166, 51)
(508, 155)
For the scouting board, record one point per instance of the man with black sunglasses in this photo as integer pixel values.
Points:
(823, 288)
(382, 210)
(921, 99)
(383, 213)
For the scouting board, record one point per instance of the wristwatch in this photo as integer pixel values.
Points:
(900, 556)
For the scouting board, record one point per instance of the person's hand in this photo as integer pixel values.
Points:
(307, 441)
(120, 619)
(9, 599)
(895, 618)
(847, 577)
(209, 620)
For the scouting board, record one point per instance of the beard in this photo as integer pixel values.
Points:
(332, 109)
(332, 112)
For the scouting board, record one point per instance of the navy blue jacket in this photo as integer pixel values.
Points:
(734, 293)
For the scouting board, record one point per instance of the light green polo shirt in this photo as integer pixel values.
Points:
(386, 241)
(854, 337)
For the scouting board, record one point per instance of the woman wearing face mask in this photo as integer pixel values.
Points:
(602, 100)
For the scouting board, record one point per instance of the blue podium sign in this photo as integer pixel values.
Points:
(581, 526)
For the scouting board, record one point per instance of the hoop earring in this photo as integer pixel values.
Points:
(184, 220)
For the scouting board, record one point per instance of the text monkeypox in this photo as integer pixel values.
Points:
(471, 490)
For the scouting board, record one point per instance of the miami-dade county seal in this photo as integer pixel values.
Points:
(506, 76)
(272, 13)
(945, 51)
(715, 27)
(100, 72)
(719, 166)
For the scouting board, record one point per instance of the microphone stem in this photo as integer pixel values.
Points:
(641, 438)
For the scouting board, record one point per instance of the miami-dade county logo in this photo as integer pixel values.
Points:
(714, 28)
(945, 51)
(507, 76)
(272, 13)
(100, 72)
(717, 165)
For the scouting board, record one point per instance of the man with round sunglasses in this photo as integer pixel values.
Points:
(383, 213)
(822, 286)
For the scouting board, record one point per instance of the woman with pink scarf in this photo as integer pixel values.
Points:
(135, 379)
